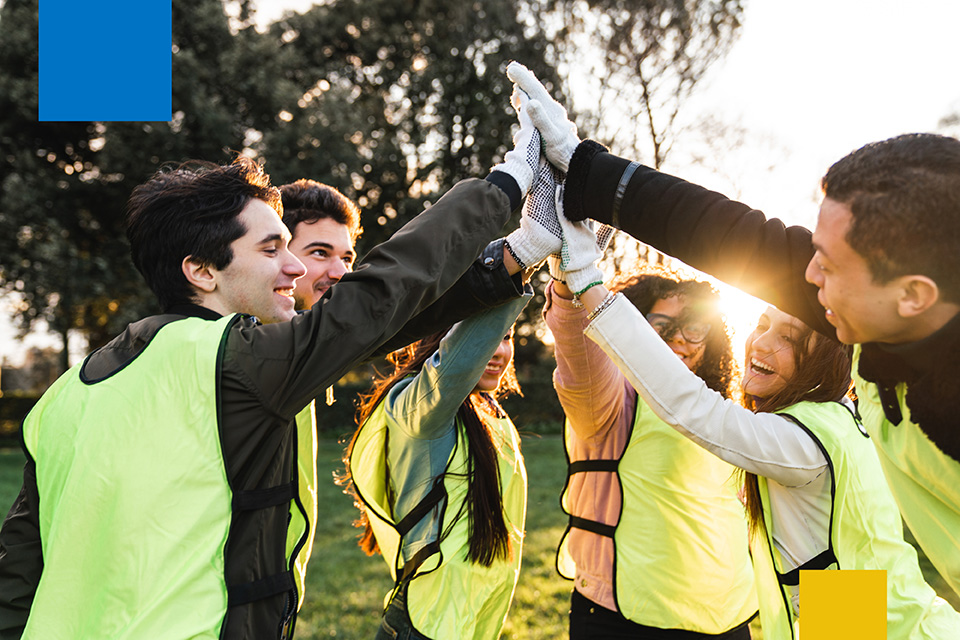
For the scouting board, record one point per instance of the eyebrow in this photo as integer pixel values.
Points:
(273, 237)
(324, 245)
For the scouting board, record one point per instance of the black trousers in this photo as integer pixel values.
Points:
(590, 621)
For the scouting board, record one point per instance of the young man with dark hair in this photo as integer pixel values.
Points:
(325, 225)
(881, 271)
(169, 486)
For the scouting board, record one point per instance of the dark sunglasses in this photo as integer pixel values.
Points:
(667, 326)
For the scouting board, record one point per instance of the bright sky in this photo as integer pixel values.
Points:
(824, 77)
(810, 81)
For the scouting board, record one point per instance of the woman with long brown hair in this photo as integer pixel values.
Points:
(439, 479)
(815, 495)
(657, 540)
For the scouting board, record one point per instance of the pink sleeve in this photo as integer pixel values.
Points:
(595, 395)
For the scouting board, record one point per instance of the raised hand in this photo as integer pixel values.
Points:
(550, 118)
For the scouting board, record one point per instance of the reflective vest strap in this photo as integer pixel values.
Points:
(605, 530)
(264, 498)
(581, 466)
(819, 562)
(429, 502)
(247, 592)
(418, 559)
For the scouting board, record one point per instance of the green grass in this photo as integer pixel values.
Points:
(346, 588)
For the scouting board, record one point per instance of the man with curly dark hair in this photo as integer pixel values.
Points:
(881, 271)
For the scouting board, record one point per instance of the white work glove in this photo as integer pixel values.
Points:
(523, 161)
(582, 247)
(539, 234)
(604, 234)
(559, 134)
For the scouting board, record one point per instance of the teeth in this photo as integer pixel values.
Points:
(756, 364)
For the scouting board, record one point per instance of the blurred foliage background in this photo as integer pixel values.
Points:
(390, 101)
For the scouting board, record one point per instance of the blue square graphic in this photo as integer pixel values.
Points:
(105, 60)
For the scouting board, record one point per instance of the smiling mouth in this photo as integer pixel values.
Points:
(286, 292)
(758, 367)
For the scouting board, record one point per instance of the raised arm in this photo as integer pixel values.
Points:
(289, 363)
(708, 231)
(491, 280)
(763, 443)
(425, 405)
(592, 391)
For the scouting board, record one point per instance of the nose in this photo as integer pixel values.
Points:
(812, 274)
(761, 341)
(293, 267)
(676, 335)
(337, 269)
(503, 352)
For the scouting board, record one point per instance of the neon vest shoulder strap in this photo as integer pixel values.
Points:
(448, 596)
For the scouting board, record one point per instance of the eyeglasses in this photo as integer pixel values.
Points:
(667, 326)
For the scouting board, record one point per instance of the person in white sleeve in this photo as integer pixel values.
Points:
(814, 490)
(657, 539)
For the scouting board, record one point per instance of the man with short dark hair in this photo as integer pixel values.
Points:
(169, 490)
(881, 271)
(325, 225)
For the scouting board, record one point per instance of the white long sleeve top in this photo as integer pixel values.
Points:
(766, 444)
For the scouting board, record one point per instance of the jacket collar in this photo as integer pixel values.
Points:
(191, 310)
(928, 367)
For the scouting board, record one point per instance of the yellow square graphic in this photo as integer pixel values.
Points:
(837, 605)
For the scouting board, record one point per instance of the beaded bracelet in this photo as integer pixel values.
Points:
(606, 302)
(589, 286)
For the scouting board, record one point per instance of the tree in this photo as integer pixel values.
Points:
(391, 101)
(638, 61)
(65, 184)
(398, 100)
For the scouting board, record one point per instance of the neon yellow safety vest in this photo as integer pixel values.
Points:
(449, 597)
(135, 505)
(924, 480)
(865, 533)
(681, 554)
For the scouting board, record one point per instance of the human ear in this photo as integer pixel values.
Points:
(199, 275)
(918, 294)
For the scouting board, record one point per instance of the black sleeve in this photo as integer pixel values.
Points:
(484, 285)
(704, 229)
(286, 364)
(21, 557)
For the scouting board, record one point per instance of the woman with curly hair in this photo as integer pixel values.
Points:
(657, 539)
(438, 476)
(816, 497)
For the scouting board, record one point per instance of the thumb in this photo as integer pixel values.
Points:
(538, 115)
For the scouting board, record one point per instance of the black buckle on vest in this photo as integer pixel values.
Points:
(418, 559)
(817, 563)
(584, 466)
(605, 530)
(247, 592)
(264, 498)
(423, 507)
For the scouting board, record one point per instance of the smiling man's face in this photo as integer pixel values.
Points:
(861, 309)
(260, 278)
(326, 249)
